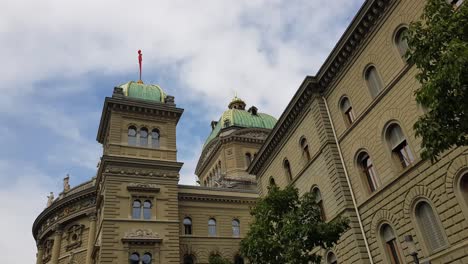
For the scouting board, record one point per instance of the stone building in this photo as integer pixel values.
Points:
(134, 210)
(347, 135)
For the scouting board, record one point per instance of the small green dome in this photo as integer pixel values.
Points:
(143, 91)
(241, 118)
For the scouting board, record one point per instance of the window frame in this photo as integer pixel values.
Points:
(390, 247)
(319, 200)
(143, 140)
(212, 228)
(424, 241)
(461, 195)
(304, 145)
(236, 232)
(377, 86)
(397, 41)
(153, 145)
(371, 180)
(348, 113)
(248, 159)
(331, 261)
(287, 170)
(143, 199)
(134, 137)
(401, 152)
(188, 228)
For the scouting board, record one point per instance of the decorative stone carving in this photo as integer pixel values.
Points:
(50, 199)
(144, 172)
(74, 236)
(141, 236)
(143, 187)
(66, 183)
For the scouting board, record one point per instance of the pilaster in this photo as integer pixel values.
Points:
(57, 244)
(91, 237)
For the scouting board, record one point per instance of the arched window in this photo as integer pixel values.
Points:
(235, 228)
(238, 260)
(430, 227)
(147, 209)
(347, 111)
(331, 258)
(134, 258)
(319, 201)
(390, 243)
(144, 137)
(146, 259)
(401, 42)
(132, 135)
(305, 148)
(368, 169)
(188, 259)
(136, 212)
(464, 187)
(272, 181)
(287, 169)
(374, 82)
(399, 146)
(155, 138)
(248, 159)
(187, 226)
(212, 227)
(205, 183)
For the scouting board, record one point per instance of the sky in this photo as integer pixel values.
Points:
(62, 58)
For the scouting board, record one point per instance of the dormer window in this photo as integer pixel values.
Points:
(253, 110)
(227, 123)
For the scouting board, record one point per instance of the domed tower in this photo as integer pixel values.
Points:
(232, 145)
(137, 180)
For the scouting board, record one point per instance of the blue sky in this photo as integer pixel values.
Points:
(62, 58)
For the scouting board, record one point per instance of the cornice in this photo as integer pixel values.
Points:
(136, 106)
(57, 209)
(247, 135)
(138, 166)
(294, 110)
(364, 21)
(216, 198)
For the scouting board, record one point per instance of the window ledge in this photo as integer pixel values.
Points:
(444, 251)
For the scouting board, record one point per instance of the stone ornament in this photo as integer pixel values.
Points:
(66, 183)
(50, 199)
(141, 236)
(143, 187)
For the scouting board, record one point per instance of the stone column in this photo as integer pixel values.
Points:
(40, 253)
(91, 238)
(57, 245)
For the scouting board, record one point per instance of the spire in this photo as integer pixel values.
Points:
(140, 59)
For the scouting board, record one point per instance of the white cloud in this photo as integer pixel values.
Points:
(261, 49)
(258, 48)
(24, 197)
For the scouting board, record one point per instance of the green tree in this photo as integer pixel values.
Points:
(217, 259)
(286, 228)
(439, 49)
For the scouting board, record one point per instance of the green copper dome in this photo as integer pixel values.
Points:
(239, 117)
(143, 91)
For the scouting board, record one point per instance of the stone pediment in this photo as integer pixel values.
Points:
(141, 236)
